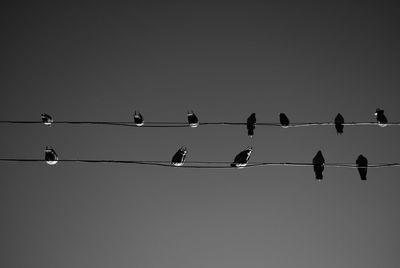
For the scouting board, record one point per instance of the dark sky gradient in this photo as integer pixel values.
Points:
(225, 60)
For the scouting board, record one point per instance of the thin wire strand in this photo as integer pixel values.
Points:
(185, 124)
(203, 164)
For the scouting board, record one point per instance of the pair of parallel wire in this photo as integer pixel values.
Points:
(240, 160)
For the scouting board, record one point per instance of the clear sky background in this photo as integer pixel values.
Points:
(100, 61)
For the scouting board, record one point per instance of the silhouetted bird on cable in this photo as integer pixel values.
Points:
(50, 156)
(47, 119)
(192, 119)
(242, 158)
(138, 119)
(339, 121)
(179, 157)
(251, 124)
(381, 118)
(284, 120)
(362, 164)
(318, 163)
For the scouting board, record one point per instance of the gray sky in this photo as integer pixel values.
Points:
(225, 60)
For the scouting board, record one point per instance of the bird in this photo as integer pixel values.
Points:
(179, 157)
(242, 158)
(339, 121)
(50, 156)
(362, 165)
(47, 119)
(318, 163)
(192, 119)
(138, 118)
(381, 118)
(284, 120)
(251, 124)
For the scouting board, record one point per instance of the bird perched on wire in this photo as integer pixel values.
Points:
(362, 165)
(339, 121)
(381, 118)
(47, 119)
(318, 163)
(242, 158)
(179, 157)
(138, 119)
(192, 119)
(50, 156)
(251, 124)
(284, 120)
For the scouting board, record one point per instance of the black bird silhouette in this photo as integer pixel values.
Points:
(284, 120)
(381, 118)
(251, 124)
(179, 157)
(339, 121)
(47, 119)
(192, 119)
(318, 163)
(242, 158)
(362, 164)
(50, 156)
(138, 119)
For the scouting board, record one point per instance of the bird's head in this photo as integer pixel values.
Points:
(378, 111)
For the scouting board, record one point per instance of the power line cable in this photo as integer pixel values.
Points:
(185, 124)
(202, 164)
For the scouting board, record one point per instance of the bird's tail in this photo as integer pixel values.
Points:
(363, 174)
